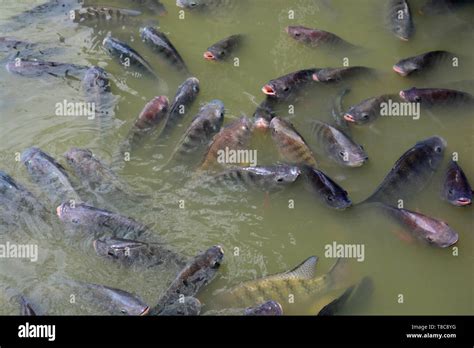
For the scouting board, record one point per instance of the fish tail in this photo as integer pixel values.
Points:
(339, 272)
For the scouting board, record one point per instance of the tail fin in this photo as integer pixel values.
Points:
(339, 272)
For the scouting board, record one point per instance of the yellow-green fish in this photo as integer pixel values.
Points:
(298, 290)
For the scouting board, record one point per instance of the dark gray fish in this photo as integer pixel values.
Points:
(338, 146)
(411, 172)
(367, 110)
(49, 175)
(420, 62)
(26, 309)
(114, 301)
(104, 16)
(17, 198)
(316, 37)
(400, 20)
(324, 188)
(456, 187)
(205, 125)
(36, 68)
(99, 222)
(285, 86)
(430, 97)
(153, 116)
(93, 172)
(185, 306)
(130, 252)
(8, 44)
(160, 43)
(96, 87)
(199, 4)
(223, 48)
(196, 274)
(339, 74)
(437, 7)
(267, 308)
(126, 55)
(185, 96)
(266, 178)
(433, 231)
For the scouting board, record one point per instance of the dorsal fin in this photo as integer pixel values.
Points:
(305, 270)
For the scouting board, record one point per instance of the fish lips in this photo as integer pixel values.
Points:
(208, 55)
(400, 71)
(349, 118)
(462, 201)
(269, 90)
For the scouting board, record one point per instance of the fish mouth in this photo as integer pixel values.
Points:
(261, 124)
(349, 118)
(402, 95)
(403, 38)
(209, 56)
(315, 77)
(145, 311)
(399, 70)
(268, 90)
(463, 201)
(59, 210)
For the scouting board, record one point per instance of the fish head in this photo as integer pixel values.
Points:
(406, 67)
(211, 258)
(412, 95)
(68, 213)
(75, 156)
(109, 44)
(118, 248)
(261, 123)
(286, 174)
(403, 32)
(125, 303)
(28, 154)
(216, 52)
(364, 112)
(215, 110)
(191, 86)
(190, 4)
(352, 156)
(277, 88)
(457, 190)
(300, 33)
(433, 148)
(442, 236)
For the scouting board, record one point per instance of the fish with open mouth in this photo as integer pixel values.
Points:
(285, 86)
(367, 110)
(400, 19)
(291, 145)
(160, 44)
(338, 146)
(411, 172)
(456, 187)
(223, 48)
(421, 62)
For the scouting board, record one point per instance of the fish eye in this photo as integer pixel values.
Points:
(365, 116)
(342, 153)
(286, 89)
(451, 191)
(438, 149)
(123, 311)
(417, 99)
(75, 221)
(330, 198)
(361, 147)
(280, 179)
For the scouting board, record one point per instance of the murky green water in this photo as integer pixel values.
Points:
(268, 239)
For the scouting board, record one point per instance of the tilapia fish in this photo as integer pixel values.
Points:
(411, 172)
(93, 172)
(99, 222)
(17, 198)
(265, 178)
(36, 68)
(421, 62)
(324, 188)
(49, 175)
(433, 231)
(185, 96)
(456, 187)
(431, 97)
(127, 56)
(367, 110)
(341, 74)
(153, 117)
(196, 274)
(316, 37)
(400, 20)
(338, 146)
(96, 87)
(160, 43)
(299, 284)
(235, 137)
(204, 126)
(222, 49)
(104, 16)
(130, 252)
(290, 144)
(287, 85)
